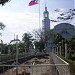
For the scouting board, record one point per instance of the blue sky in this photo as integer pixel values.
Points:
(20, 18)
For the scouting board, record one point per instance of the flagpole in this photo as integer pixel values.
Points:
(45, 3)
(39, 15)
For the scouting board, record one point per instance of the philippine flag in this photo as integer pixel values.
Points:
(33, 2)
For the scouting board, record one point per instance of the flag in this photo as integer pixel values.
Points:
(33, 2)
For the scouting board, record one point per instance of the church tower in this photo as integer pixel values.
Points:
(46, 24)
(46, 20)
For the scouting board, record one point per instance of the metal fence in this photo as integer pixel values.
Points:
(39, 69)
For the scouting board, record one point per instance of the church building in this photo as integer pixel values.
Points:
(66, 30)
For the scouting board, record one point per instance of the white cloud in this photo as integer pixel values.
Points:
(54, 15)
(18, 23)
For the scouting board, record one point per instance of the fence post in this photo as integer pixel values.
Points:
(65, 50)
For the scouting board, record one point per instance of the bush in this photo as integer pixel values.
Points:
(72, 58)
(72, 63)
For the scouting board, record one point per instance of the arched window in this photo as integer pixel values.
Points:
(64, 32)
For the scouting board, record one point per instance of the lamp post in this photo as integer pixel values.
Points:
(17, 53)
(16, 40)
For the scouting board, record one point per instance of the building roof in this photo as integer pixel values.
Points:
(65, 29)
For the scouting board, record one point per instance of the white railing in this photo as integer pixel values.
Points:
(57, 66)
(39, 69)
(64, 69)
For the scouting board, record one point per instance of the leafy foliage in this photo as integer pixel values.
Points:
(27, 39)
(72, 45)
(40, 40)
(2, 2)
(64, 15)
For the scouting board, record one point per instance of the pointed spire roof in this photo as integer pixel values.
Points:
(46, 9)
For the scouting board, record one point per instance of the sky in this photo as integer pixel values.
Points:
(20, 18)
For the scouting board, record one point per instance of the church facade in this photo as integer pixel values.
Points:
(66, 30)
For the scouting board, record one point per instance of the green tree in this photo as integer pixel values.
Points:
(39, 45)
(39, 40)
(27, 39)
(21, 47)
(72, 45)
(58, 38)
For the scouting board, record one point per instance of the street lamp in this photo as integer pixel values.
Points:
(16, 40)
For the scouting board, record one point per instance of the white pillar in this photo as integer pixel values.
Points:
(65, 50)
(57, 50)
(9, 50)
(60, 50)
(52, 50)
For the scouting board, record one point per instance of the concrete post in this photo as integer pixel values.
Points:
(60, 50)
(65, 50)
(9, 50)
(52, 50)
(57, 50)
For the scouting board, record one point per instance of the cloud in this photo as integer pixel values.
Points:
(53, 16)
(18, 23)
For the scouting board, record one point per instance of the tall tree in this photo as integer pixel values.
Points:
(27, 39)
(40, 42)
(72, 45)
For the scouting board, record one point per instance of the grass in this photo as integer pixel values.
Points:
(72, 63)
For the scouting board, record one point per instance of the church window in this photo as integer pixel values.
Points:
(64, 32)
(45, 14)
